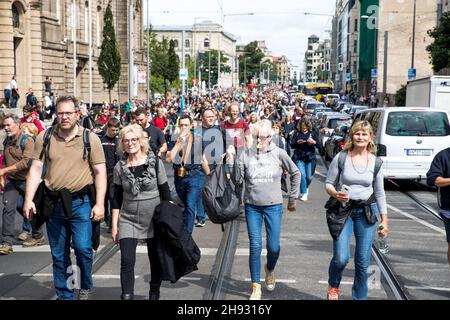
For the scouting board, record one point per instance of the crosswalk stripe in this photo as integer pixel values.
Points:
(342, 282)
(427, 288)
(278, 280)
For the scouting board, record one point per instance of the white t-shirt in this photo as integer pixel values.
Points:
(13, 84)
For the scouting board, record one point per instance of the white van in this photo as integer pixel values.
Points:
(408, 138)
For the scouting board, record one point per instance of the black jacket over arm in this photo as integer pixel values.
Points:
(440, 167)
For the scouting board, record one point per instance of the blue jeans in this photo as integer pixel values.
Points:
(364, 236)
(14, 102)
(60, 230)
(189, 189)
(272, 220)
(200, 212)
(306, 172)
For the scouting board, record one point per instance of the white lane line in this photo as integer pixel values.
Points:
(342, 282)
(98, 276)
(278, 280)
(321, 174)
(442, 231)
(2, 274)
(427, 288)
(43, 248)
(211, 251)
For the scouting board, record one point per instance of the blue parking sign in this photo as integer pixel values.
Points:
(373, 73)
(411, 74)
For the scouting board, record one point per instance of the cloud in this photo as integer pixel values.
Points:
(282, 23)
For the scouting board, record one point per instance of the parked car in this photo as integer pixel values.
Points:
(336, 142)
(311, 105)
(355, 108)
(331, 99)
(327, 125)
(408, 138)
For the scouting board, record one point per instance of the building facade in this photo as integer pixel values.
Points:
(198, 39)
(37, 41)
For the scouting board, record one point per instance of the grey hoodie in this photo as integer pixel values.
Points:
(261, 172)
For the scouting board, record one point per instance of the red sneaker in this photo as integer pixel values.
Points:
(333, 293)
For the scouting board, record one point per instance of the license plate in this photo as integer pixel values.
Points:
(418, 152)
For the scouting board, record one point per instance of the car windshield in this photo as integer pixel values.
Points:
(333, 123)
(312, 106)
(414, 123)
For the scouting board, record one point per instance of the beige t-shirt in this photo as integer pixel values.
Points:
(66, 167)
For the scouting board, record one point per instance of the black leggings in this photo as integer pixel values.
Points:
(128, 260)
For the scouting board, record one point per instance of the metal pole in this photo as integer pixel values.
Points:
(183, 83)
(117, 32)
(130, 50)
(148, 52)
(90, 53)
(209, 71)
(413, 36)
(74, 42)
(386, 41)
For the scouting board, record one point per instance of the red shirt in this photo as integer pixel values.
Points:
(160, 123)
(104, 119)
(36, 122)
(236, 132)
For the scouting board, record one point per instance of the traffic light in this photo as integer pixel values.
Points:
(340, 66)
(327, 66)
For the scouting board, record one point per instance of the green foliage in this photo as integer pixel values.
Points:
(400, 96)
(109, 59)
(249, 63)
(439, 50)
(210, 59)
(173, 63)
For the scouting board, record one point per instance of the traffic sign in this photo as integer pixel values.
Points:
(340, 66)
(411, 74)
(142, 76)
(183, 74)
(374, 73)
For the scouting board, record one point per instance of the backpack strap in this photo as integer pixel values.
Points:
(46, 143)
(341, 163)
(378, 164)
(87, 145)
(22, 141)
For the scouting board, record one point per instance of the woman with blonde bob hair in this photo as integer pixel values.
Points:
(261, 167)
(366, 191)
(140, 183)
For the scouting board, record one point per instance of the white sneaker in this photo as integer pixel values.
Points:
(304, 197)
(256, 293)
(269, 279)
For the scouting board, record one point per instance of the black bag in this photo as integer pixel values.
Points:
(336, 214)
(221, 196)
(284, 186)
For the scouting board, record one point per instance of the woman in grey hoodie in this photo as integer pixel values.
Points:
(261, 167)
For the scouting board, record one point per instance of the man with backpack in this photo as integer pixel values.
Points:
(74, 187)
(18, 153)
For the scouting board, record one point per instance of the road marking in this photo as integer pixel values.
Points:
(342, 282)
(427, 288)
(43, 248)
(2, 274)
(442, 231)
(278, 280)
(211, 251)
(99, 276)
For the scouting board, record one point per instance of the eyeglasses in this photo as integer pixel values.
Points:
(67, 114)
(261, 138)
(184, 125)
(130, 141)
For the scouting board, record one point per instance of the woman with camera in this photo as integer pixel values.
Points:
(303, 142)
(358, 175)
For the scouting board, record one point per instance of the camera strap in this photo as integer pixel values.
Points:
(187, 154)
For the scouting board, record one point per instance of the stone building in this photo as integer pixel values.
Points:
(36, 41)
(199, 38)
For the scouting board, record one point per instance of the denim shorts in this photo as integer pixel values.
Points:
(447, 226)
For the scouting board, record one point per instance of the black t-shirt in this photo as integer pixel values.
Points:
(110, 150)
(156, 136)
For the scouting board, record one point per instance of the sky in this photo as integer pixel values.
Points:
(281, 23)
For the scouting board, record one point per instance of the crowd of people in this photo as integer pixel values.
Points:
(117, 175)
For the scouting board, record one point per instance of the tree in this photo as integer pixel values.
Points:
(173, 63)
(439, 50)
(211, 58)
(400, 96)
(249, 63)
(109, 59)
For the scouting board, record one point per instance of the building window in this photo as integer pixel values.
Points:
(15, 17)
(356, 25)
(187, 59)
(187, 43)
(175, 43)
(355, 46)
(206, 43)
